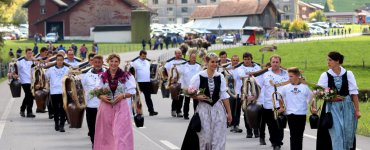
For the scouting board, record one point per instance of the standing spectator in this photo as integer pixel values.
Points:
(61, 48)
(19, 52)
(342, 32)
(95, 48)
(349, 31)
(143, 43)
(156, 43)
(160, 40)
(338, 31)
(35, 49)
(174, 41)
(83, 51)
(345, 31)
(167, 41)
(74, 47)
(35, 37)
(11, 53)
(40, 37)
(150, 43)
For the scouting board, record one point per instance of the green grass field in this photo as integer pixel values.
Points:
(342, 5)
(104, 48)
(311, 57)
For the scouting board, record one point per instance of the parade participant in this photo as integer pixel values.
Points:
(142, 70)
(24, 65)
(88, 63)
(244, 70)
(222, 61)
(176, 104)
(55, 75)
(89, 82)
(113, 129)
(187, 71)
(235, 93)
(275, 75)
(344, 108)
(215, 113)
(296, 96)
(43, 54)
(71, 58)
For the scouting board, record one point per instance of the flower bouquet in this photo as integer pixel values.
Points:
(192, 92)
(102, 91)
(326, 94)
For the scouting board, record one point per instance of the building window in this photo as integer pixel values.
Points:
(185, 20)
(170, 11)
(184, 1)
(184, 9)
(42, 10)
(287, 17)
(171, 20)
(155, 2)
(286, 8)
(170, 1)
(213, 1)
(42, 2)
(198, 1)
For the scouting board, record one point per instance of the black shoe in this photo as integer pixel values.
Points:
(173, 113)
(249, 136)
(237, 129)
(186, 117)
(262, 141)
(180, 115)
(22, 114)
(61, 129)
(276, 147)
(51, 116)
(30, 115)
(256, 135)
(40, 111)
(153, 113)
(57, 128)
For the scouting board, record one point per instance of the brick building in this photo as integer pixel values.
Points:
(74, 19)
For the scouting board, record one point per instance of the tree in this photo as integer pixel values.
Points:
(298, 26)
(329, 6)
(8, 9)
(20, 16)
(318, 16)
(285, 24)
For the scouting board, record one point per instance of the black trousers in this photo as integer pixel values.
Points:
(186, 106)
(91, 119)
(146, 87)
(59, 113)
(276, 134)
(297, 124)
(235, 105)
(50, 106)
(177, 104)
(28, 99)
(262, 126)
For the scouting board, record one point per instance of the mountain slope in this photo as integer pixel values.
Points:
(342, 5)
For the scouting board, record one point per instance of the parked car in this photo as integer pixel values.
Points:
(228, 40)
(156, 33)
(317, 30)
(51, 37)
(337, 25)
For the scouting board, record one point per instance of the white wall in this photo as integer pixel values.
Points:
(112, 36)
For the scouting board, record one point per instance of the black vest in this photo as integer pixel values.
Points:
(216, 92)
(344, 90)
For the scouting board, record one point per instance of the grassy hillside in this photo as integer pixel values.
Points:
(342, 5)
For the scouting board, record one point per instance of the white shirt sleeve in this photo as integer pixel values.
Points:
(223, 89)
(352, 85)
(195, 81)
(323, 81)
(131, 85)
(309, 94)
(47, 74)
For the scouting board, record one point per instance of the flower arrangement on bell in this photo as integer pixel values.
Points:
(326, 94)
(192, 92)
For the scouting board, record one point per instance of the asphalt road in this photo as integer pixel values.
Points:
(161, 132)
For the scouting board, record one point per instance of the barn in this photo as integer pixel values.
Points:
(236, 14)
(76, 19)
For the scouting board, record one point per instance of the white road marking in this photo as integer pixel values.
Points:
(311, 136)
(169, 144)
(150, 140)
(5, 116)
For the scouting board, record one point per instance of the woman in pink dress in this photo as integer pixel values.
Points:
(113, 129)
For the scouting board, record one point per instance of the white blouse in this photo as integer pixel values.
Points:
(187, 71)
(55, 76)
(352, 85)
(195, 82)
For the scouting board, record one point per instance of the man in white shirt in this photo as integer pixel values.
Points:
(222, 61)
(276, 75)
(24, 65)
(176, 104)
(55, 75)
(71, 58)
(187, 70)
(247, 67)
(90, 80)
(142, 70)
(235, 92)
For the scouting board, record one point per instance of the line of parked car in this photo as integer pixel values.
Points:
(320, 27)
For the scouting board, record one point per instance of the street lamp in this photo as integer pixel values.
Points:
(219, 26)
